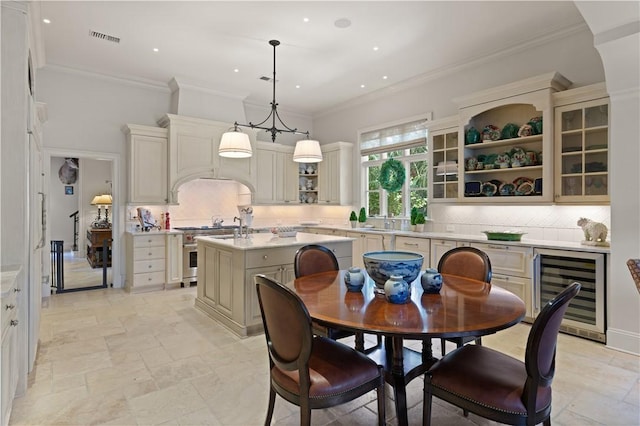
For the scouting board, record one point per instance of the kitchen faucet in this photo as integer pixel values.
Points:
(239, 219)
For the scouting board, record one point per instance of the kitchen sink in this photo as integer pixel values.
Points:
(376, 229)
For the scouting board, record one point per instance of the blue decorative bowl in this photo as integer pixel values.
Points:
(380, 265)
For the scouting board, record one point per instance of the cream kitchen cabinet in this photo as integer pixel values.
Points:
(10, 358)
(193, 153)
(277, 174)
(335, 177)
(174, 258)
(499, 178)
(582, 145)
(366, 242)
(438, 248)
(147, 149)
(443, 148)
(512, 269)
(146, 261)
(416, 245)
(226, 289)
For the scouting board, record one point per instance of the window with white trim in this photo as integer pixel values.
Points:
(406, 143)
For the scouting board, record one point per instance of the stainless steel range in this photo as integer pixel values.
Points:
(190, 248)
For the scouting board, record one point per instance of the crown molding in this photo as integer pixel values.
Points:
(146, 84)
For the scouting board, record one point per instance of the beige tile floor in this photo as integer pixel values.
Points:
(109, 357)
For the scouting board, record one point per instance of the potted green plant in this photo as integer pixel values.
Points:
(420, 220)
(362, 218)
(414, 213)
(353, 218)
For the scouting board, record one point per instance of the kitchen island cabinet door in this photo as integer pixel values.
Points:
(281, 273)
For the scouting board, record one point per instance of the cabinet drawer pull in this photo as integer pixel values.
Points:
(493, 246)
(9, 307)
(501, 277)
(14, 322)
(150, 266)
(17, 290)
(265, 257)
(411, 244)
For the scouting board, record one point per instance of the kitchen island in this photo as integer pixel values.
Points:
(226, 268)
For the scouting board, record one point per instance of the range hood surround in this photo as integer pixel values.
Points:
(190, 100)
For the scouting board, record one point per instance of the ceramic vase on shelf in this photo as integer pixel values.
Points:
(396, 289)
(431, 281)
(354, 279)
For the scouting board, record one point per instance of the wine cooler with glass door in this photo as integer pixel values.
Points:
(557, 269)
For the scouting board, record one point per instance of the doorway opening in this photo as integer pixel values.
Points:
(83, 228)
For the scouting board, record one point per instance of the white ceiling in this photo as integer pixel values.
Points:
(203, 42)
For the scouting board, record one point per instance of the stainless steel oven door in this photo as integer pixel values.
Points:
(189, 263)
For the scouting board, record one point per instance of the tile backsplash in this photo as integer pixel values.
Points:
(202, 199)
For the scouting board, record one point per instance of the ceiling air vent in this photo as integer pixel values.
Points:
(103, 36)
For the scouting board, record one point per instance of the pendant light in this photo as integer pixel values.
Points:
(236, 144)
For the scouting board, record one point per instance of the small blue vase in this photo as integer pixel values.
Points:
(396, 289)
(431, 281)
(354, 279)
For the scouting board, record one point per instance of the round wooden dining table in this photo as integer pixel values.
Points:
(464, 307)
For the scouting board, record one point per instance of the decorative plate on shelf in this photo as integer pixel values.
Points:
(509, 131)
(525, 188)
(472, 189)
(490, 133)
(489, 189)
(507, 189)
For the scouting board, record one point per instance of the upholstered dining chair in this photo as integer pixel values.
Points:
(306, 370)
(496, 386)
(468, 262)
(313, 259)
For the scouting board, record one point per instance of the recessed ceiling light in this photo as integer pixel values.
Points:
(155, 49)
(46, 21)
(236, 70)
(362, 86)
(297, 86)
(384, 77)
(342, 23)
(375, 48)
(305, 19)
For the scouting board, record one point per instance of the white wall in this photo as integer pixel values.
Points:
(61, 205)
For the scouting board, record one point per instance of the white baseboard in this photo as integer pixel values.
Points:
(624, 341)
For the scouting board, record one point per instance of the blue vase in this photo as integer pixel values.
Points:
(396, 289)
(431, 281)
(354, 279)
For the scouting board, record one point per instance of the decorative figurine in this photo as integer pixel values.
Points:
(595, 233)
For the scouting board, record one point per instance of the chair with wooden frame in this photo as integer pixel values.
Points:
(468, 262)
(310, 371)
(496, 386)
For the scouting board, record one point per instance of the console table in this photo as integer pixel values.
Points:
(95, 239)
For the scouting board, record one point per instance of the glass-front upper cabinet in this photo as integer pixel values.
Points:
(582, 152)
(443, 142)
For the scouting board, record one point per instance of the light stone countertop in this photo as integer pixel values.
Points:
(269, 240)
(479, 238)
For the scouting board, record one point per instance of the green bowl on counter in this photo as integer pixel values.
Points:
(504, 235)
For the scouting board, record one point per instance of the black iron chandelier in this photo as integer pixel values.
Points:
(236, 144)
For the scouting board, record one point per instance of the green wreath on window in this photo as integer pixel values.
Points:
(392, 175)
